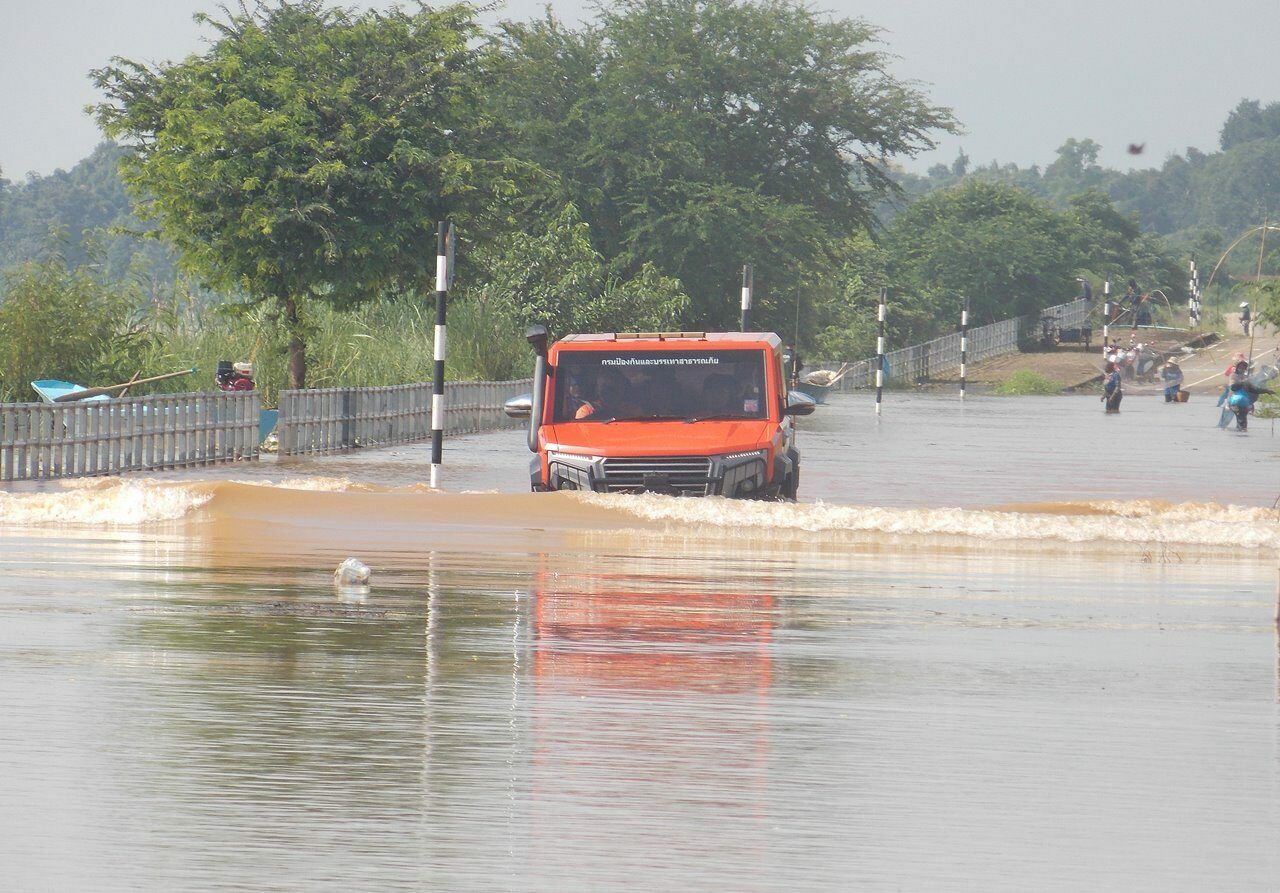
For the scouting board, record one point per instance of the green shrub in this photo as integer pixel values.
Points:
(1025, 383)
(62, 322)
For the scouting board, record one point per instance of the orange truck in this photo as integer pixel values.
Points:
(682, 413)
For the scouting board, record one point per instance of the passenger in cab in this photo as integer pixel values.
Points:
(613, 400)
(717, 396)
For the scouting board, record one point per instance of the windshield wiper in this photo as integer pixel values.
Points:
(689, 420)
(635, 418)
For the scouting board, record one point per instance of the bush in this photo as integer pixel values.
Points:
(379, 343)
(59, 322)
(1025, 383)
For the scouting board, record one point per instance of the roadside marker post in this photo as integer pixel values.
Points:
(1106, 315)
(444, 274)
(747, 283)
(1191, 294)
(880, 314)
(964, 344)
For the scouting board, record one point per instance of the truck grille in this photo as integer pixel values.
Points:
(687, 474)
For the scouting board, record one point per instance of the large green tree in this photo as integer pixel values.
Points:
(696, 135)
(307, 153)
(1008, 252)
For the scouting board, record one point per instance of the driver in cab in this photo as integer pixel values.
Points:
(613, 400)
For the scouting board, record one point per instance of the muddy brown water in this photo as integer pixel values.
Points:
(1014, 645)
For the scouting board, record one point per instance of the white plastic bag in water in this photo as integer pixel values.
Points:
(352, 572)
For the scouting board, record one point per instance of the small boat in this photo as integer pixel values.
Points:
(50, 389)
(56, 392)
(820, 382)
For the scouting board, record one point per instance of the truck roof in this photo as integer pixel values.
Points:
(673, 339)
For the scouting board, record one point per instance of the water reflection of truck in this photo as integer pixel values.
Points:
(686, 413)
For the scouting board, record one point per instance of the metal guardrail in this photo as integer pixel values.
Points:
(329, 420)
(921, 362)
(41, 441)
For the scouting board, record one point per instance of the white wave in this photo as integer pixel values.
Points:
(313, 484)
(1192, 524)
(123, 503)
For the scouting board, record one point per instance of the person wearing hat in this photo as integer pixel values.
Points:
(1245, 316)
(1171, 375)
(1243, 393)
(1236, 359)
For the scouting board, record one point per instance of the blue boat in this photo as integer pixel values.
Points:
(50, 389)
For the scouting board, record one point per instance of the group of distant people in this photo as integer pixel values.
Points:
(1138, 362)
(1124, 364)
(1239, 394)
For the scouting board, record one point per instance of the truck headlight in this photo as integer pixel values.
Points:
(742, 473)
(569, 471)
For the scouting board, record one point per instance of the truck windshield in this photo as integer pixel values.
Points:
(615, 385)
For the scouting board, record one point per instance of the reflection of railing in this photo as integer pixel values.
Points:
(42, 441)
(921, 362)
(327, 420)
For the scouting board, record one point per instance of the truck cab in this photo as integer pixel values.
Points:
(682, 413)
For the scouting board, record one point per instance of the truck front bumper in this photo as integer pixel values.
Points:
(739, 475)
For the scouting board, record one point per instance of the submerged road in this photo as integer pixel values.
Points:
(542, 693)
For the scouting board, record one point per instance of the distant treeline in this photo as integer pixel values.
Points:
(613, 175)
(1200, 200)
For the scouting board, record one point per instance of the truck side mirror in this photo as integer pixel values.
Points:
(520, 407)
(799, 404)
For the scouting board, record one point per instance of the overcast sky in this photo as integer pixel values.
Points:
(1021, 75)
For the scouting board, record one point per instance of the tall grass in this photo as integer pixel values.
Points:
(382, 342)
(62, 323)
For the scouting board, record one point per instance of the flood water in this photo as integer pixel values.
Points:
(1010, 645)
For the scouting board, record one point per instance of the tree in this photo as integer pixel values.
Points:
(554, 276)
(88, 203)
(306, 155)
(58, 321)
(1008, 252)
(696, 135)
(1236, 189)
(1249, 121)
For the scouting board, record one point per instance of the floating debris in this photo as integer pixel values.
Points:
(352, 572)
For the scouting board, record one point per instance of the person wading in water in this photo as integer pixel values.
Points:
(1113, 390)
(1171, 374)
(1243, 393)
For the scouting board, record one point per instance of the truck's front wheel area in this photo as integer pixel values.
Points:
(791, 486)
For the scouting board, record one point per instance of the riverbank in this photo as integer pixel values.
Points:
(1070, 366)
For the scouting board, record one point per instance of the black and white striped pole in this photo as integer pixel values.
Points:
(747, 277)
(1193, 290)
(443, 241)
(1106, 315)
(964, 345)
(880, 314)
